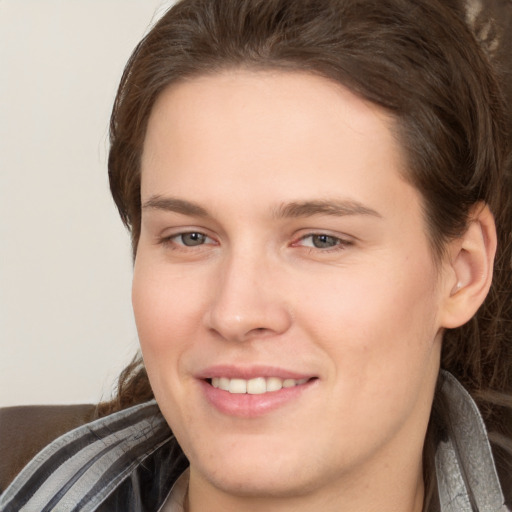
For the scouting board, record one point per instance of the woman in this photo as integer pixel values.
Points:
(317, 193)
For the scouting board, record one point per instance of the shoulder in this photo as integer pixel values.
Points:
(110, 459)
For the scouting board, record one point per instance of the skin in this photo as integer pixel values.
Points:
(364, 317)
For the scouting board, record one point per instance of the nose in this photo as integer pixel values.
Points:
(248, 302)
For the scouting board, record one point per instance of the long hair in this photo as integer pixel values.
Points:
(435, 66)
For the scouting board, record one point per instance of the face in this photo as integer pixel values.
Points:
(285, 293)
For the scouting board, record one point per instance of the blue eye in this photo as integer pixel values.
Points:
(324, 241)
(188, 242)
(191, 239)
(321, 241)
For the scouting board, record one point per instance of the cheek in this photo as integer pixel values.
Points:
(167, 308)
(379, 320)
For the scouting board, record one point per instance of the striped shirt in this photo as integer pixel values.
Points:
(129, 461)
(126, 461)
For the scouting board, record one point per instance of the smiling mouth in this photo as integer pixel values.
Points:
(256, 386)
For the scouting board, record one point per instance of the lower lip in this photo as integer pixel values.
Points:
(245, 405)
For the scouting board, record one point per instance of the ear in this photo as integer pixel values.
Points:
(469, 268)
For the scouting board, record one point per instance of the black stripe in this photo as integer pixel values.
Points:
(147, 486)
(129, 458)
(90, 435)
(65, 488)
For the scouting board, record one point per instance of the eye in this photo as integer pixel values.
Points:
(322, 241)
(187, 243)
(191, 239)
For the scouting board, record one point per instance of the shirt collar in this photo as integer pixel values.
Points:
(466, 474)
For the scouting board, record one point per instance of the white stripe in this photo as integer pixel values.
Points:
(28, 471)
(91, 477)
(68, 469)
(105, 492)
(60, 444)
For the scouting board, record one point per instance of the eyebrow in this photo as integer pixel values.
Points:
(171, 204)
(295, 209)
(336, 208)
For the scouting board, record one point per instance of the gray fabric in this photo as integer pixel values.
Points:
(466, 475)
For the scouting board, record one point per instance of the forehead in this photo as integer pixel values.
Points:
(284, 87)
(247, 121)
(295, 103)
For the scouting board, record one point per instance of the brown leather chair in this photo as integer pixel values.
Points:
(26, 429)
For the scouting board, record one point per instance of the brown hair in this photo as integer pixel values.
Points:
(416, 58)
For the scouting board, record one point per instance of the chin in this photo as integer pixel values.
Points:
(255, 480)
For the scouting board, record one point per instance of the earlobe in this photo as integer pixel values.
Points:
(470, 268)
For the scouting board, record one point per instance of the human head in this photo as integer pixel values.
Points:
(418, 60)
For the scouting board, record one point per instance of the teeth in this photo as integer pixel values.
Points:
(256, 386)
(224, 383)
(274, 384)
(237, 386)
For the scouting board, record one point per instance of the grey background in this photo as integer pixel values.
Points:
(66, 326)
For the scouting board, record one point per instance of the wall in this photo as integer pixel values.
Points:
(66, 327)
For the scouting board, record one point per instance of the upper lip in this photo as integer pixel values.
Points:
(250, 372)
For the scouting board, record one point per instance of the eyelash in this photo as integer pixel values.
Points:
(170, 241)
(340, 244)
